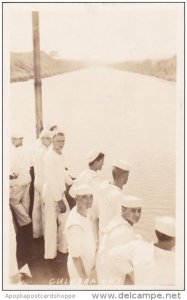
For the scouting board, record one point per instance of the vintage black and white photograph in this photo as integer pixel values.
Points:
(93, 146)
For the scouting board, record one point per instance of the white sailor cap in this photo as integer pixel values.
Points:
(93, 154)
(52, 127)
(166, 225)
(56, 132)
(16, 135)
(44, 132)
(83, 189)
(121, 164)
(132, 202)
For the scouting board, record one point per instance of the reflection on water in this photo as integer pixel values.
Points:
(128, 116)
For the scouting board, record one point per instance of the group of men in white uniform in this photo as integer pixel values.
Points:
(98, 233)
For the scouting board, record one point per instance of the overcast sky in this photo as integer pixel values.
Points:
(99, 31)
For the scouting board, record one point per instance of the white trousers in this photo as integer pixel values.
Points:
(54, 229)
(20, 203)
(13, 265)
(38, 215)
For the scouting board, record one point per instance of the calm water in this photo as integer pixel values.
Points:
(127, 116)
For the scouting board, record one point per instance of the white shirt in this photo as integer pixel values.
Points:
(89, 177)
(20, 165)
(55, 176)
(118, 232)
(151, 265)
(94, 179)
(109, 204)
(81, 242)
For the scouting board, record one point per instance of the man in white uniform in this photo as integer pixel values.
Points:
(55, 177)
(19, 180)
(119, 231)
(153, 263)
(80, 238)
(110, 194)
(92, 176)
(38, 210)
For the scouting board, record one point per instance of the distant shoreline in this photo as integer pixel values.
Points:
(163, 68)
(21, 68)
(31, 77)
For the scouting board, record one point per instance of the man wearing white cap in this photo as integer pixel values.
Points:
(80, 238)
(153, 263)
(19, 180)
(119, 231)
(110, 194)
(55, 177)
(93, 177)
(37, 213)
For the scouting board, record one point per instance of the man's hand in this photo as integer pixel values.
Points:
(62, 206)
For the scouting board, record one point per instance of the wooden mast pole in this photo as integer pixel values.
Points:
(37, 72)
